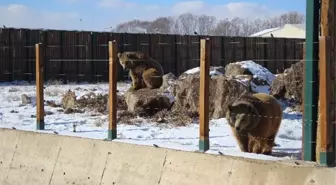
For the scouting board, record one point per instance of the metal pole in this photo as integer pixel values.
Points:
(311, 80)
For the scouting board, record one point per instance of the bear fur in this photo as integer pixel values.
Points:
(255, 120)
(144, 71)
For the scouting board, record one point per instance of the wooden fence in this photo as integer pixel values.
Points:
(83, 56)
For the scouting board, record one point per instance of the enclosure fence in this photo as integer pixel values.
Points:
(77, 56)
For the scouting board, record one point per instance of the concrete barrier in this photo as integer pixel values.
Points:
(36, 158)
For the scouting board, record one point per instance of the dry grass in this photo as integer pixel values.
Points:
(54, 82)
(13, 97)
(100, 121)
(13, 89)
(53, 91)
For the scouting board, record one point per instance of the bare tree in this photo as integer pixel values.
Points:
(222, 28)
(188, 23)
(161, 25)
(205, 24)
(134, 26)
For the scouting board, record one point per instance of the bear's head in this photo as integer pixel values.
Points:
(242, 115)
(127, 59)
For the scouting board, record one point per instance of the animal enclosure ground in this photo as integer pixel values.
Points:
(21, 115)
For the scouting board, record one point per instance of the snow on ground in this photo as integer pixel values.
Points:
(91, 125)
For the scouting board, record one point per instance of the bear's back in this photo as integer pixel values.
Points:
(270, 112)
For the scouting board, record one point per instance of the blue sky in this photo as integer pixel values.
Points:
(100, 14)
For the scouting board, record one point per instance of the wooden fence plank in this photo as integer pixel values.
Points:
(182, 53)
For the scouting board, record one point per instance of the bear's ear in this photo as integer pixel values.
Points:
(119, 55)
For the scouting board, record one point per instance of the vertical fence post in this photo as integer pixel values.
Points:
(311, 80)
(324, 135)
(204, 95)
(112, 103)
(39, 87)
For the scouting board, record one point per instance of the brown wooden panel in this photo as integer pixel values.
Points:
(144, 44)
(156, 48)
(260, 54)
(270, 51)
(69, 54)
(101, 56)
(251, 49)
(130, 42)
(290, 53)
(83, 52)
(6, 53)
(194, 52)
(280, 55)
(182, 53)
(19, 54)
(216, 52)
(239, 48)
(32, 37)
(228, 51)
(53, 69)
(167, 46)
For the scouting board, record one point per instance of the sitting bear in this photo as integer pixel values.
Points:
(145, 72)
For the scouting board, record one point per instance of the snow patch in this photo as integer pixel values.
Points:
(258, 71)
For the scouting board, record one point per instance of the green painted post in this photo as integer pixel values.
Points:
(311, 80)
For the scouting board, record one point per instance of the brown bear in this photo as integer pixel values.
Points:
(255, 120)
(145, 72)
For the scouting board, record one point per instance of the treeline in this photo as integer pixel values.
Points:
(208, 25)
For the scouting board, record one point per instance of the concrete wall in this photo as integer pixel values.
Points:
(30, 158)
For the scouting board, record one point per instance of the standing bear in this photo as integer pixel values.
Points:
(145, 72)
(255, 120)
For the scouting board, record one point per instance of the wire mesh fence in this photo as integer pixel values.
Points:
(276, 67)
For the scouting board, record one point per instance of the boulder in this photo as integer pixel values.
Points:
(222, 91)
(168, 81)
(214, 71)
(146, 102)
(25, 100)
(278, 89)
(289, 84)
(69, 100)
(260, 76)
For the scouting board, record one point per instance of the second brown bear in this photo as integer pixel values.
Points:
(145, 72)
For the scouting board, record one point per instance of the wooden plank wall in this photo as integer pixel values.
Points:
(74, 56)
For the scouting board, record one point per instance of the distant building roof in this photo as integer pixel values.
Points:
(264, 31)
(300, 26)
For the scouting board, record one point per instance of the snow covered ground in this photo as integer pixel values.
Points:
(94, 126)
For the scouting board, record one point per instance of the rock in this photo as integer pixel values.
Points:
(289, 84)
(214, 71)
(222, 90)
(146, 102)
(168, 81)
(294, 82)
(69, 100)
(227, 90)
(278, 89)
(234, 69)
(52, 103)
(25, 100)
(260, 76)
